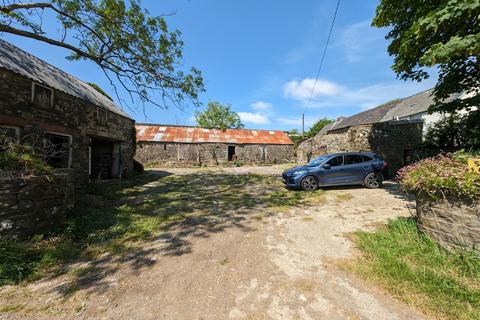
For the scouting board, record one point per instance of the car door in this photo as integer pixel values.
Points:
(353, 165)
(334, 174)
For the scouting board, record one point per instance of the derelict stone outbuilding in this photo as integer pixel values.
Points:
(88, 133)
(181, 145)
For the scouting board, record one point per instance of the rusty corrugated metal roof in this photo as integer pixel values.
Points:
(184, 134)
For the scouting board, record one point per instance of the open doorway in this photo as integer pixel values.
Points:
(231, 153)
(105, 159)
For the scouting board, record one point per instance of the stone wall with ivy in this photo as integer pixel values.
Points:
(35, 204)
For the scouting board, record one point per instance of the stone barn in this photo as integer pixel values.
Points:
(167, 145)
(387, 130)
(82, 128)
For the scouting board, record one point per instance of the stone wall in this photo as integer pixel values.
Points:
(35, 204)
(171, 154)
(452, 222)
(69, 116)
(388, 139)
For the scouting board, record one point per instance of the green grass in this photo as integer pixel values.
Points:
(413, 268)
(122, 216)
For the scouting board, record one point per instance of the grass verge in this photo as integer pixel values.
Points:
(414, 269)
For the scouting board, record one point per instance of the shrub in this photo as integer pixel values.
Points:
(455, 131)
(441, 175)
(16, 157)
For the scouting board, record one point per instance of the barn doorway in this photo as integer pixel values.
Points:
(105, 159)
(231, 153)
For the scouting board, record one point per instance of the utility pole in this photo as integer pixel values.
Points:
(303, 125)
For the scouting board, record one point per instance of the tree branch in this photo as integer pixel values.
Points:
(23, 33)
(17, 6)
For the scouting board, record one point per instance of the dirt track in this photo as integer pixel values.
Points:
(245, 265)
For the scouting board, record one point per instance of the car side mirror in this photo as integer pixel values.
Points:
(326, 166)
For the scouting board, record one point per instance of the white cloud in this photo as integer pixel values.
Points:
(302, 90)
(364, 97)
(261, 106)
(255, 118)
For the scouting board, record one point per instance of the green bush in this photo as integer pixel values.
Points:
(441, 175)
(21, 158)
(455, 132)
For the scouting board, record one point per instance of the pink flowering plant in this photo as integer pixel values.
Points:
(440, 176)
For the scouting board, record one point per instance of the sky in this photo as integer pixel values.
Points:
(262, 56)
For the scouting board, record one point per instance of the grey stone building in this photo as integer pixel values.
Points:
(390, 130)
(83, 129)
(181, 145)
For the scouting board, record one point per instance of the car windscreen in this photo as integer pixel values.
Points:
(317, 161)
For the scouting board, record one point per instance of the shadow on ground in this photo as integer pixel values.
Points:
(159, 214)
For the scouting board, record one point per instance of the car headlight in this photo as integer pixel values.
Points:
(298, 173)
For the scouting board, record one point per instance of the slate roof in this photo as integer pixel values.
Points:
(327, 127)
(185, 134)
(369, 116)
(392, 110)
(18, 61)
(415, 104)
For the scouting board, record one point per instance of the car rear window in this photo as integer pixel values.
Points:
(353, 159)
(367, 158)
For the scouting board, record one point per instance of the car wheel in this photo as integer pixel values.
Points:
(373, 180)
(309, 183)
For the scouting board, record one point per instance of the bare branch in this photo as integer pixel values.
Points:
(23, 33)
(17, 6)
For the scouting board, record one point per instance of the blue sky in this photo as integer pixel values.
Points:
(262, 56)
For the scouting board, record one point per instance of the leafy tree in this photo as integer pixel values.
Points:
(455, 132)
(136, 51)
(444, 34)
(293, 132)
(218, 116)
(317, 126)
(295, 136)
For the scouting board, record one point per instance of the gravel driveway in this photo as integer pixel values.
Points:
(253, 263)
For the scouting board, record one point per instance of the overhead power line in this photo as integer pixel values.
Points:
(323, 55)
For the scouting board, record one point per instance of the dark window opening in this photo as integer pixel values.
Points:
(57, 150)
(42, 96)
(9, 132)
(231, 153)
(352, 159)
(164, 147)
(337, 161)
(101, 116)
(367, 158)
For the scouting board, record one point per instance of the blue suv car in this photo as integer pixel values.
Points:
(339, 169)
